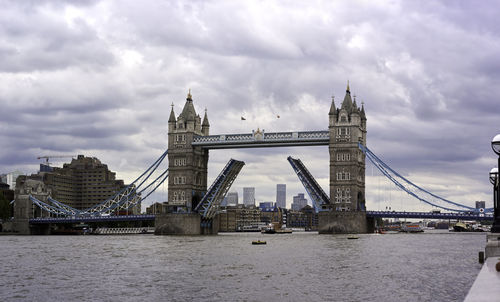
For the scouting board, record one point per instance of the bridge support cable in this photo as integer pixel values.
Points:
(133, 197)
(49, 208)
(62, 206)
(316, 193)
(414, 185)
(134, 203)
(407, 185)
(127, 191)
(210, 202)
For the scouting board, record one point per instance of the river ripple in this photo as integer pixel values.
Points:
(434, 266)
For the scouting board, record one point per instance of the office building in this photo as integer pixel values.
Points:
(10, 178)
(281, 196)
(232, 199)
(249, 197)
(299, 202)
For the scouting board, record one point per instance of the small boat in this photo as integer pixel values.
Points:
(353, 237)
(461, 227)
(411, 228)
(259, 242)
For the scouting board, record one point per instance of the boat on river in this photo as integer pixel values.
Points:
(468, 227)
(258, 242)
(411, 228)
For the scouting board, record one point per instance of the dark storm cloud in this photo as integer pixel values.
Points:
(99, 77)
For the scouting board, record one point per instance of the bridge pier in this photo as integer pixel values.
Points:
(348, 222)
(185, 224)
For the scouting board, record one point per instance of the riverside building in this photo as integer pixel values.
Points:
(81, 184)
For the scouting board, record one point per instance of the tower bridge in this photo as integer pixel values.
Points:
(196, 205)
(189, 142)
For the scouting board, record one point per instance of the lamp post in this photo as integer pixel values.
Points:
(494, 179)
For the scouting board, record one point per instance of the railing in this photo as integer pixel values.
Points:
(429, 215)
(73, 219)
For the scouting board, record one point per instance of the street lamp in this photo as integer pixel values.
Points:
(494, 179)
(493, 176)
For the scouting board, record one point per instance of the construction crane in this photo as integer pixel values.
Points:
(54, 156)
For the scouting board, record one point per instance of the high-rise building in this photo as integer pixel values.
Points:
(281, 196)
(347, 128)
(480, 204)
(10, 178)
(249, 196)
(223, 203)
(232, 199)
(299, 202)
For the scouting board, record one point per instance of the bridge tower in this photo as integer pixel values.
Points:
(347, 126)
(187, 181)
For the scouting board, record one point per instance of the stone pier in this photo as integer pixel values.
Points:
(185, 224)
(337, 222)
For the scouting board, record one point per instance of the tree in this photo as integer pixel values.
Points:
(4, 207)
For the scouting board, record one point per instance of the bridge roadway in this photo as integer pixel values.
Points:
(78, 219)
(429, 215)
(151, 217)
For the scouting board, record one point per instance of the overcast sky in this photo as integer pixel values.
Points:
(98, 78)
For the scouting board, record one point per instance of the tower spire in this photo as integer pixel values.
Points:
(348, 89)
(205, 120)
(333, 109)
(171, 119)
(363, 115)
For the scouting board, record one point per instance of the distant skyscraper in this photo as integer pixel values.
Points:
(232, 199)
(10, 178)
(249, 196)
(299, 202)
(281, 195)
(480, 204)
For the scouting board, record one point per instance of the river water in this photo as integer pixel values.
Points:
(433, 266)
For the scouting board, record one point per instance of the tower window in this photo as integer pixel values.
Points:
(180, 138)
(343, 156)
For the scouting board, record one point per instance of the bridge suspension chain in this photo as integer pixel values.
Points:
(410, 187)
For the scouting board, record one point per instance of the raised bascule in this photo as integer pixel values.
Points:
(196, 206)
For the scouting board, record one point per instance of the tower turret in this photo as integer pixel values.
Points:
(205, 126)
(332, 115)
(171, 120)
